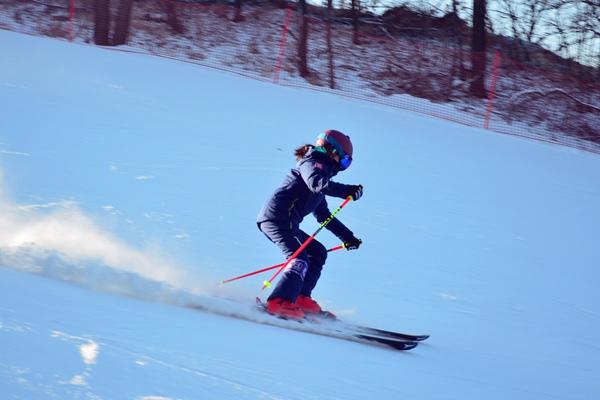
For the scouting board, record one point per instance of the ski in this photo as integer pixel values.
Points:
(337, 329)
(374, 331)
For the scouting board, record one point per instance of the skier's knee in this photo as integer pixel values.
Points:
(318, 255)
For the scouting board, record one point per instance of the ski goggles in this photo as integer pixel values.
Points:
(345, 162)
(345, 159)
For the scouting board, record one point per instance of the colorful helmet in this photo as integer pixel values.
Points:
(336, 142)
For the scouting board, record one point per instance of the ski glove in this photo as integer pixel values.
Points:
(356, 192)
(352, 244)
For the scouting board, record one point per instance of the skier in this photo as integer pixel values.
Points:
(303, 192)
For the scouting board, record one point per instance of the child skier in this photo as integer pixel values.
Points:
(303, 192)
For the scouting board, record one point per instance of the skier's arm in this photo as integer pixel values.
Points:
(335, 226)
(318, 179)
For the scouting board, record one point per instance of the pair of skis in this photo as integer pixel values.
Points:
(324, 325)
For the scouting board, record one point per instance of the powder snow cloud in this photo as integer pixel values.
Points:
(62, 228)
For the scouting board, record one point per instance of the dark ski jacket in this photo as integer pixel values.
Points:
(303, 192)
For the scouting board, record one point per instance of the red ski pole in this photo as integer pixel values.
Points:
(270, 268)
(306, 242)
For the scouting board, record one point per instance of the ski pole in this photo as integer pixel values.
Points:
(307, 242)
(341, 246)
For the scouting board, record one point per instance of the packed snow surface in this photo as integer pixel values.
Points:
(129, 188)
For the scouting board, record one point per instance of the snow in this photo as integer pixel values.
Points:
(129, 186)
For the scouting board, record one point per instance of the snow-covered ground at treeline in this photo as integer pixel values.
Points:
(129, 186)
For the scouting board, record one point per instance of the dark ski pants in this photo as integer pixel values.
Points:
(301, 275)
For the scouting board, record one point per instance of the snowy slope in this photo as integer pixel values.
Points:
(120, 170)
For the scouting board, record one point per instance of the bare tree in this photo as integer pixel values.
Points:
(478, 49)
(355, 20)
(303, 41)
(101, 22)
(172, 18)
(568, 27)
(458, 68)
(238, 11)
(586, 29)
(558, 30)
(329, 45)
(525, 20)
(122, 24)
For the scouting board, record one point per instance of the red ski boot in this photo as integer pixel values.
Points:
(284, 308)
(310, 306)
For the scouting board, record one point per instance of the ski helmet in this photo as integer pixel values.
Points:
(336, 142)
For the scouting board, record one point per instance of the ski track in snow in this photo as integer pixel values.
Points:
(15, 153)
(89, 350)
(215, 379)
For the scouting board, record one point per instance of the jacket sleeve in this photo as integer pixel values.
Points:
(317, 177)
(335, 226)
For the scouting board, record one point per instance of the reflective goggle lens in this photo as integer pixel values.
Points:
(345, 162)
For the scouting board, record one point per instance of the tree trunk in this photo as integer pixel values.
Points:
(101, 22)
(172, 19)
(459, 57)
(122, 24)
(456, 53)
(478, 50)
(238, 11)
(303, 42)
(355, 6)
(329, 45)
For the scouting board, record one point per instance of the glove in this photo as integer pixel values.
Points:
(352, 244)
(356, 192)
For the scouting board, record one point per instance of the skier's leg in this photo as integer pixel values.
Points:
(317, 255)
(288, 240)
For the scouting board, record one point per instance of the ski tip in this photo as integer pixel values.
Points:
(399, 345)
(409, 345)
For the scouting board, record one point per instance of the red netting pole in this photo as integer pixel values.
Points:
(282, 43)
(492, 91)
(71, 18)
